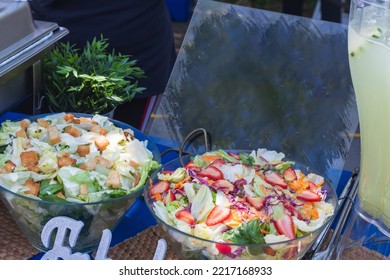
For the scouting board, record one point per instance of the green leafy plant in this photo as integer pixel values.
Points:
(91, 80)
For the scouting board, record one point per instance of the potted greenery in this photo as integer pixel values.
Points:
(91, 80)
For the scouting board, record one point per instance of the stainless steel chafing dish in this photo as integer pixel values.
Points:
(23, 43)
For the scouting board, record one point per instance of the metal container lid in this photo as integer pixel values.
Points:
(23, 40)
(15, 23)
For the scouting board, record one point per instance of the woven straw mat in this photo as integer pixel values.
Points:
(14, 246)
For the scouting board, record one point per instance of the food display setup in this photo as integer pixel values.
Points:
(272, 178)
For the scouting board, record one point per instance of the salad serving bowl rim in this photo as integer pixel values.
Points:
(155, 151)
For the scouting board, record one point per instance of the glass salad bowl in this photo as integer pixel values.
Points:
(88, 168)
(240, 205)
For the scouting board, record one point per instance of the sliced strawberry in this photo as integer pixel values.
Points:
(233, 155)
(217, 163)
(171, 196)
(274, 178)
(285, 226)
(223, 185)
(293, 211)
(307, 195)
(289, 174)
(159, 187)
(217, 215)
(224, 249)
(185, 216)
(212, 173)
(189, 164)
(256, 202)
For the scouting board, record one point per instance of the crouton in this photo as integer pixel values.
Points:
(83, 189)
(30, 160)
(65, 161)
(134, 164)
(137, 178)
(63, 153)
(21, 133)
(87, 120)
(76, 121)
(113, 180)
(98, 129)
(8, 167)
(24, 124)
(101, 142)
(103, 131)
(33, 187)
(83, 150)
(129, 133)
(53, 134)
(60, 195)
(89, 165)
(72, 131)
(43, 123)
(106, 163)
(69, 118)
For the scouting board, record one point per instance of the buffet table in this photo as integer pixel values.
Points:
(252, 79)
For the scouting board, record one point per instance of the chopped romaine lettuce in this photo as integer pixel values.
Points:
(178, 175)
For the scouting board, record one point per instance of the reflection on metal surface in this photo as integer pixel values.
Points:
(255, 78)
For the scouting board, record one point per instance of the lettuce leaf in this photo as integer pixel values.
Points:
(48, 188)
(146, 169)
(202, 204)
(225, 156)
(247, 233)
(10, 127)
(178, 175)
(199, 161)
(247, 159)
(3, 160)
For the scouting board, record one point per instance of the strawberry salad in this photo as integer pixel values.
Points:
(240, 198)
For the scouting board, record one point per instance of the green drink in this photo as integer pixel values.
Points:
(369, 59)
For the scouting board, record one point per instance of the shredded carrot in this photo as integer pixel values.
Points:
(308, 205)
(263, 216)
(234, 220)
(263, 190)
(210, 158)
(314, 213)
(299, 185)
(309, 211)
(181, 183)
(157, 196)
(320, 184)
(264, 231)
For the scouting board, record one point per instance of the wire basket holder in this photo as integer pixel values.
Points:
(194, 134)
(324, 248)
